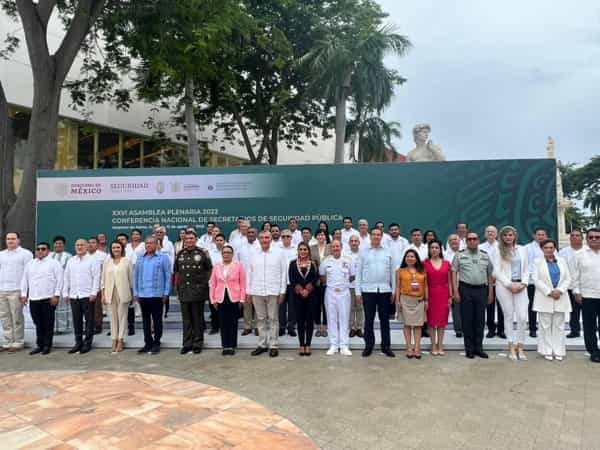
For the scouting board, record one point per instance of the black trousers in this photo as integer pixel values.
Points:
(83, 310)
(531, 313)
(42, 313)
(591, 324)
(377, 302)
(305, 309)
(473, 301)
(320, 313)
(490, 313)
(131, 318)
(575, 317)
(214, 317)
(229, 313)
(456, 318)
(152, 309)
(287, 312)
(192, 314)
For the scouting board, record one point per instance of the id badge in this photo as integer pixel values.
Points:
(415, 286)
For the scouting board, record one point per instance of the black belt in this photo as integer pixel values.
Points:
(472, 286)
(517, 280)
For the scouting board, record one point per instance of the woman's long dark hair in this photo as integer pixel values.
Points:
(438, 242)
(319, 231)
(418, 263)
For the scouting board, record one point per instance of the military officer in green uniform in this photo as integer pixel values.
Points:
(192, 268)
(473, 290)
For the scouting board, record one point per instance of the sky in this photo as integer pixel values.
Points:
(495, 79)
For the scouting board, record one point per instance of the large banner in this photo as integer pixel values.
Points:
(428, 195)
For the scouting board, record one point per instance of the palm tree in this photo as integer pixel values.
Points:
(351, 66)
(370, 138)
(592, 201)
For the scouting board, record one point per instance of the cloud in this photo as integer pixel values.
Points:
(495, 79)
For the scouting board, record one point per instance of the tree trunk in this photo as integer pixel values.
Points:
(43, 128)
(340, 129)
(190, 121)
(7, 158)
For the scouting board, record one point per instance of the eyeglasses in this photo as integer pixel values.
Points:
(472, 239)
(593, 238)
(285, 236)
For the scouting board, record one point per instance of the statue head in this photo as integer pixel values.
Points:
(421, 133)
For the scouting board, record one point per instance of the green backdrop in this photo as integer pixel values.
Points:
(432, 195)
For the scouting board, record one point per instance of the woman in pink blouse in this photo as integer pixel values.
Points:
(227, 291)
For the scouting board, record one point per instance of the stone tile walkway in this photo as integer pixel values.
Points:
(112, 410)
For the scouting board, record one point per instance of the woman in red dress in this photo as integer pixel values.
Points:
(440, 296)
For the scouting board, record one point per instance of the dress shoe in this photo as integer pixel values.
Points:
(76, 348)
(256, 332)
(324, 333)
(213, 331)
(281, 331)
(533, 334)
(470, 355)
(246, 332)
(595, 358)
(389, 353)
(292, 333)
(352, 333)
(197, 350)
(459, 334)
(108, 334)
(155, 350)
(318, 333)
(273, 353)
(481, 354)
(46, 351)
(425, 333)
(259, 351)
(359, 333)
(572, 335)
(367, 352)
(185, 350)
(144, 349)
(225, 352)
(35, 351)
(490, 335)
(501, 335)
(85, 349)
(131, 332)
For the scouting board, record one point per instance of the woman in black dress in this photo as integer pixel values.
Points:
(303, 276)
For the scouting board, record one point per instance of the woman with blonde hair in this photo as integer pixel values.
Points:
(511, 271)
(117, 286)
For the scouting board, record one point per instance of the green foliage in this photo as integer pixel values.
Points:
(583, 183)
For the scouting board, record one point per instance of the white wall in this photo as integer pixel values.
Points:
(16, 78)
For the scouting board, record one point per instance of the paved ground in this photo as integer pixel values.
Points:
(382, 403)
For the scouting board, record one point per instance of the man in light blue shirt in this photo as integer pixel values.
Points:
(151, 287)
(374, 275)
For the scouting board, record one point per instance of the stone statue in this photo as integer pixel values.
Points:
(425, 150)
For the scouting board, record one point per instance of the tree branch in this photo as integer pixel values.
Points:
(240, 123)
(7, 190)
(35, 35)
(44, 10)
(86, 14)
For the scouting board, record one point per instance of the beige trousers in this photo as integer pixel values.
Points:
(249, 322)
(11, 317)
(357, 312)
(118, 317)
(267, 319)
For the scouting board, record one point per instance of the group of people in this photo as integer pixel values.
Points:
(331, 284)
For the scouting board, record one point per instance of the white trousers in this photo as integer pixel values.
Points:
(551, 340)
(514, 307)
(337, 305)
(11, 316)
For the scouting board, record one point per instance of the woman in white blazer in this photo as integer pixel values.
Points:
(511, 271)
(552, 279)
(117, 285)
